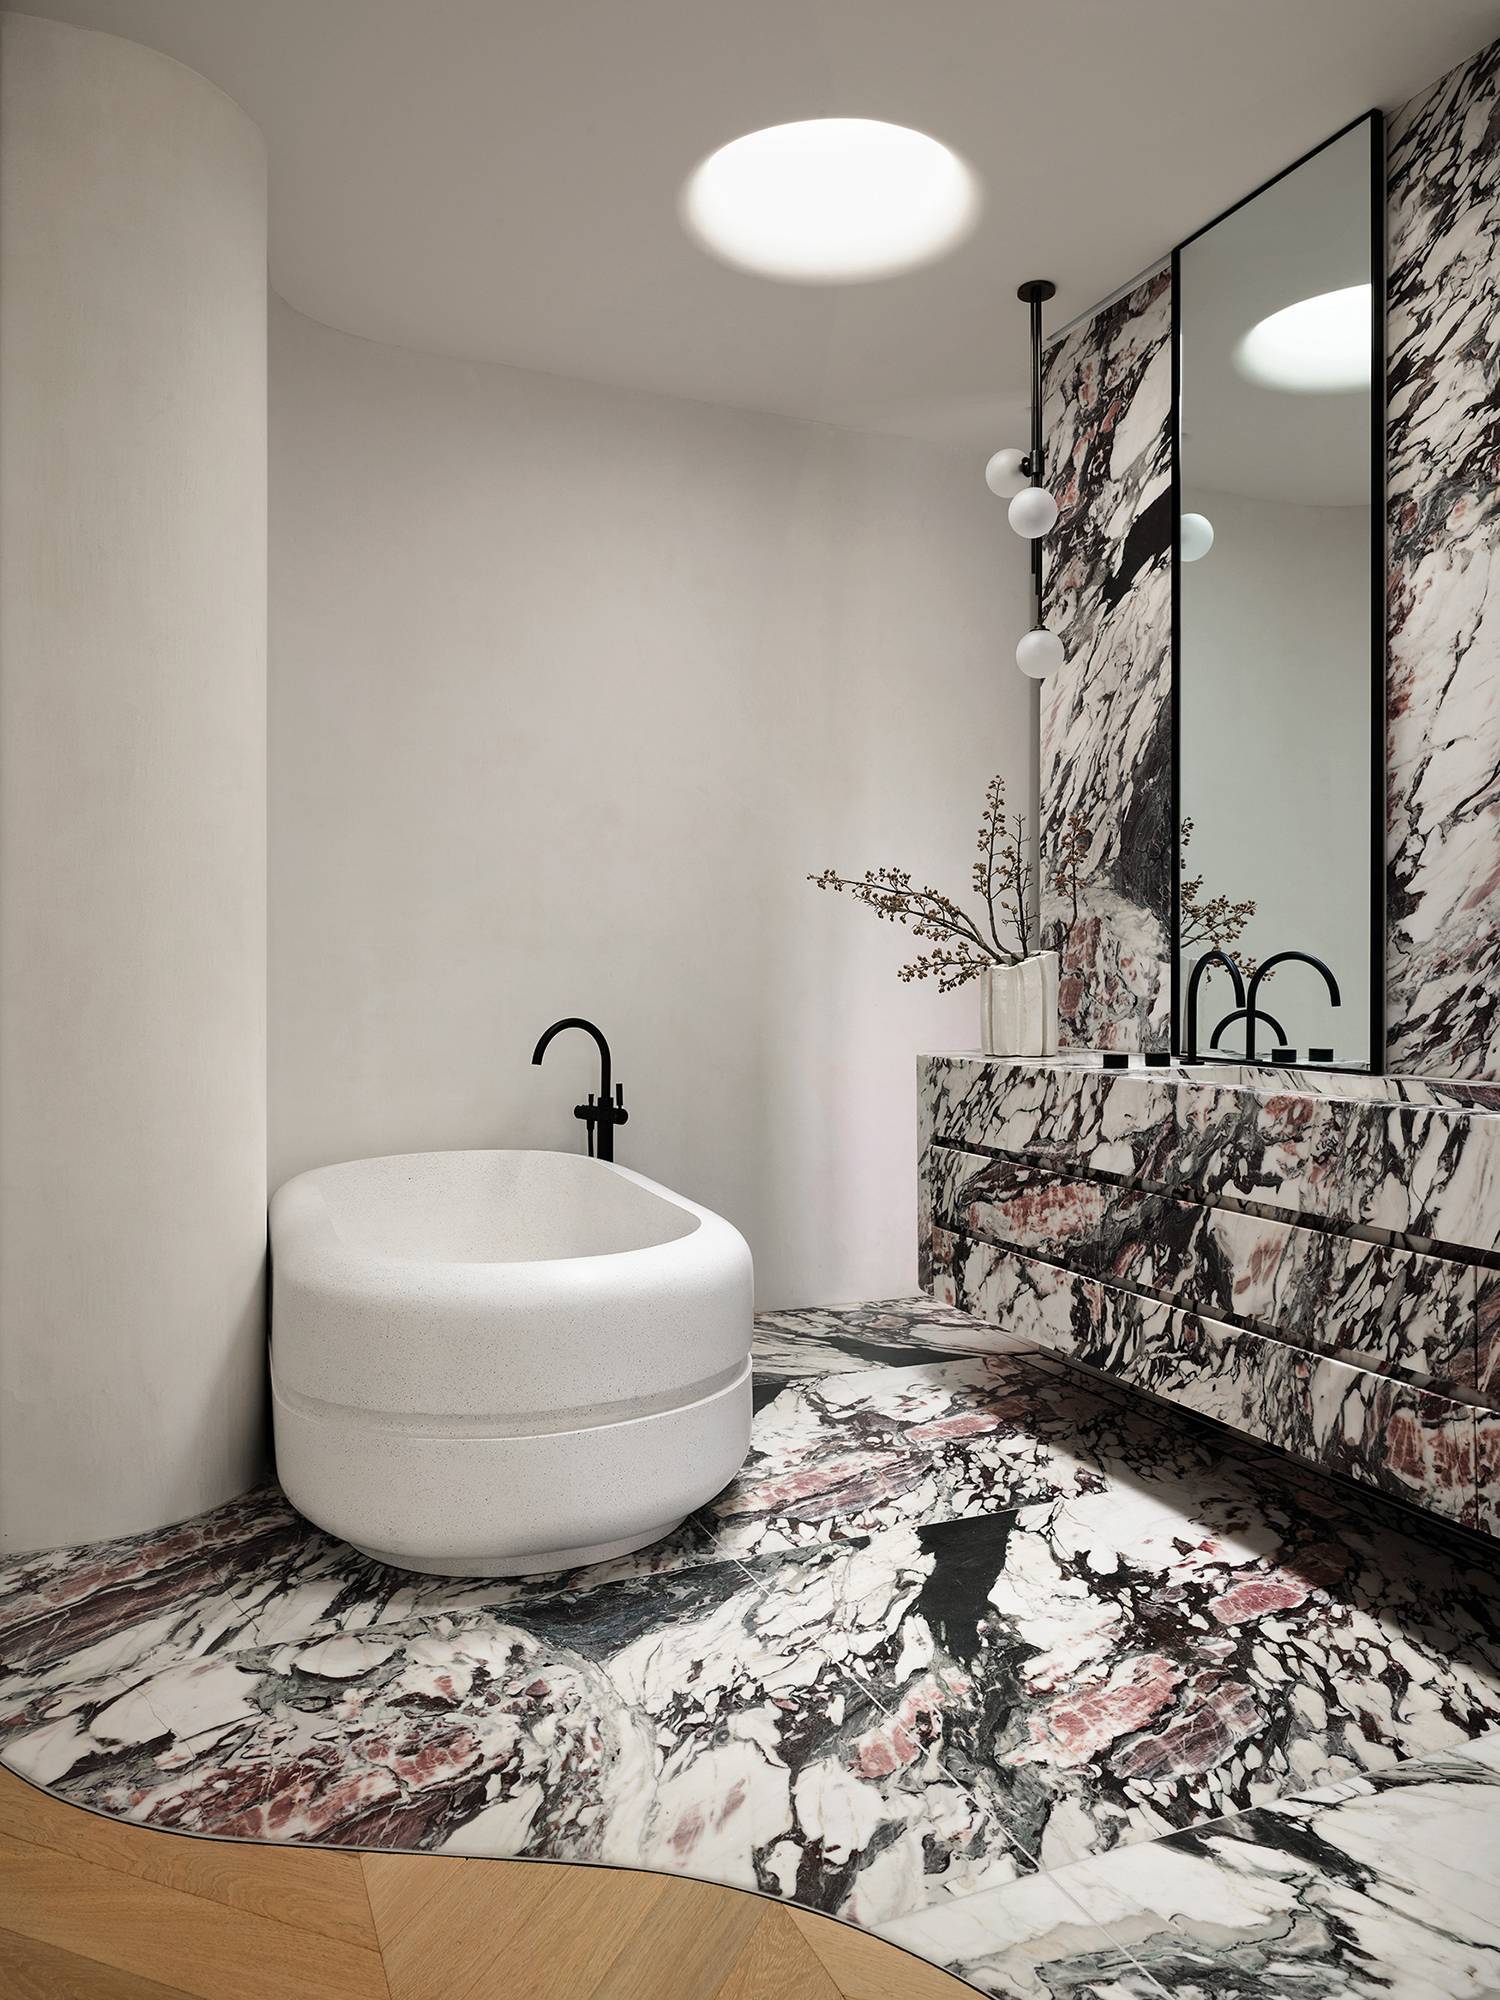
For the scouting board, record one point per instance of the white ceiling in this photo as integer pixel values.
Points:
(497, 179)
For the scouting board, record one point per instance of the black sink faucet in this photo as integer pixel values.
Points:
(1249, 1015)
(1282, 958)
(1195, 980)
(602, 1117)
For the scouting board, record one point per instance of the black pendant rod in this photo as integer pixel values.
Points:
(1034, 293)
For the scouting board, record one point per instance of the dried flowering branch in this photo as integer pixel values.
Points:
(1003, 873)
(1003, 879)
(1078, 837)
(1216, 922)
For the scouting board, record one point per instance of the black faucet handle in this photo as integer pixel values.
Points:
(591, 1113)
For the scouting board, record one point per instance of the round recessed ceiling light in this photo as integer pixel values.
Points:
(831, 201)
(1319, 345)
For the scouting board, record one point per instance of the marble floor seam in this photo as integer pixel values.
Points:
(862, 1687)
(1033, 1867)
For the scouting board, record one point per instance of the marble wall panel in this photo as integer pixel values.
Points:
(1106, 733)
(1443, 577)
(924, 1178)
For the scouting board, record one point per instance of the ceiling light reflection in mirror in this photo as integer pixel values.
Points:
(1319, 346)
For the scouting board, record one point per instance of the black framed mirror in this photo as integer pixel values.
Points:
(1278, 624)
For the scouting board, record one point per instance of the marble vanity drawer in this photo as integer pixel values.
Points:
(1415, 1169)
(1487, 1333)
(1409, 1442)
(1377, 1306)
(1487, 1467)
(1031, 1111)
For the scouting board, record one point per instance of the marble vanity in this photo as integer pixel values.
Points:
(1310, 1258)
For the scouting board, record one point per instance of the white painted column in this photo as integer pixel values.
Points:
(132, 788)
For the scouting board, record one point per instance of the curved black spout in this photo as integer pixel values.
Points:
(577, 1021)
(1215, 957)
(1283, 958)
(1249, 1016)
(602, 1117)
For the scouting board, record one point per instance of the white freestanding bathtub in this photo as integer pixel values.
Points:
(489, 1364)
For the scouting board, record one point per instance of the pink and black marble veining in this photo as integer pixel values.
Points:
(650, 1716)
(843, 1454)
(1372, 1304)
(1443, 692)
(966, 1627)
(1411, 1443)
(1105, 742)
(1366, 1890)
(1106, 716)
(1098, 1675)
(1315, 1272)
(1421, 1170)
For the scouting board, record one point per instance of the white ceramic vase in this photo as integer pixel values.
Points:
(1018, 1007)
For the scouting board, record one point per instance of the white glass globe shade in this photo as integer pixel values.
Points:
(1003, 474)
(1040, 653)
(1032, 512)
(1197, 537)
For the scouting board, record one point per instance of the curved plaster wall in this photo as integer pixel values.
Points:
(132, 788)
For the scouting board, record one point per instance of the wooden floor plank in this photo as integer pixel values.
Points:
(206, 1948)
(532, 1930)
(867, 1968)
(429, 1890)
(582, 1924)
(777, 1963)
(30, 1970)
(98, 1909)
(315, 1890)
(682, 1948)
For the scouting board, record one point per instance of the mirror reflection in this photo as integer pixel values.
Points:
(1275, 678)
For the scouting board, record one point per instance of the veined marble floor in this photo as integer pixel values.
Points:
(1068, 1693)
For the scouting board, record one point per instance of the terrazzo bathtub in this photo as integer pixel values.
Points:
(499, 1363)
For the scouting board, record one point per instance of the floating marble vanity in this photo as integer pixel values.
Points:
(1312, 1259)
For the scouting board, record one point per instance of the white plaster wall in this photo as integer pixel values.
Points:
(1276, 751)
(132, 742)
(570, 689)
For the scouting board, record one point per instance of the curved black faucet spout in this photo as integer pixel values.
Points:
(1245, 1014)
(602, 1117)
(577, 1021)
(1217, 956)
(1284, 958)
